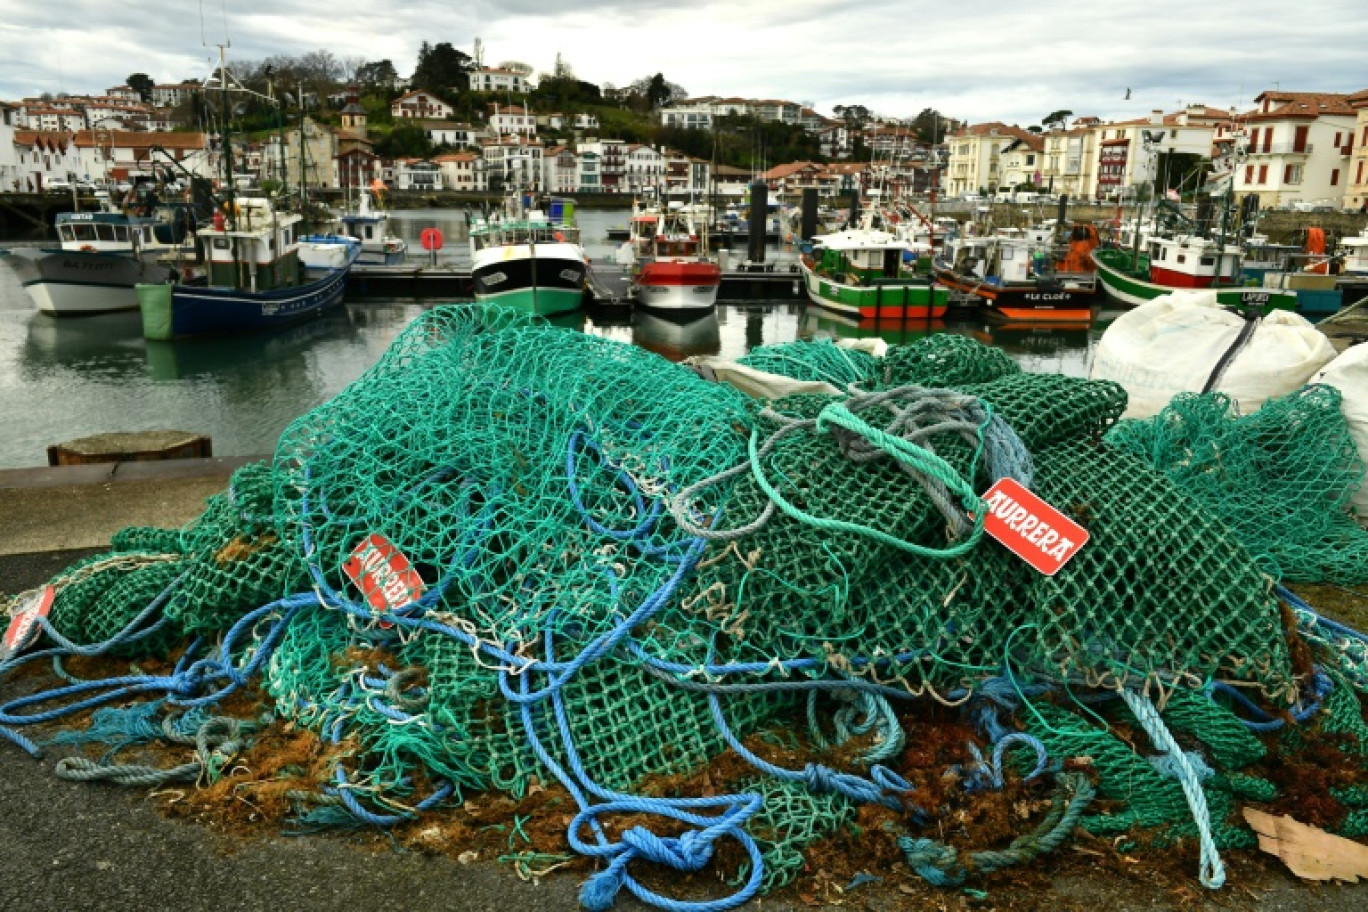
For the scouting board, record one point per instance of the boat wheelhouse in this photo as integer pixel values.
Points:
(369, 224)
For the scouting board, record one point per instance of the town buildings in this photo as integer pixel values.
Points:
(1298, 148)
(1291, 148)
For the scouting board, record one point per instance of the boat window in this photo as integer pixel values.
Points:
(369, 234)
(1208, 261)
(104, 232)
(220, 243)
(1182, 257)
(1007, 253)
(121, 233)
(64, 233)
(84, 232)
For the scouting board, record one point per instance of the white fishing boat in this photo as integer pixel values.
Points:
(369, 224)
(102, 255)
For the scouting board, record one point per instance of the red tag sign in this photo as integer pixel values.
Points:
(1030, 528)
(23, 625)
(384, 575)
(431, 238)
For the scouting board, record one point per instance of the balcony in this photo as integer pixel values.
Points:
(1283, 149)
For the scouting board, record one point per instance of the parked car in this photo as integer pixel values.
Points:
(57, 183)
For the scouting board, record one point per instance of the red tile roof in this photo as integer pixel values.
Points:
(128, 139)
(1286, 105)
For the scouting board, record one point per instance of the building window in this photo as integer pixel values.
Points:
(1334, 177)
(1292, 174)
(1263, 174)
(1249, 174)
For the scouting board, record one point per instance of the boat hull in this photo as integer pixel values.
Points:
(917, 301)
(552, 280)
(206, 310)
(77, 283)
(1068, 303)
(678, 286)
(1127, 289)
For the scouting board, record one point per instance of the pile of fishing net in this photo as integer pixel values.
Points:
(511, 556)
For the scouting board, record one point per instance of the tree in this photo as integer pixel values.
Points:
(931, 126)
(1033, 129)
(442, 68)
(1056, 119)
(378, 75)
(657, 92)
(855, 116)
(142, 84)
(404, 141)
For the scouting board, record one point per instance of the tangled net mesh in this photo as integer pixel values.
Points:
(621, 571)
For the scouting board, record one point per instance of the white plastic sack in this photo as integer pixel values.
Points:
(757, 384)
(1172, 344)
(870, 345)
(1349, 374)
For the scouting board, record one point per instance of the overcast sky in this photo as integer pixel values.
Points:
(973, 59)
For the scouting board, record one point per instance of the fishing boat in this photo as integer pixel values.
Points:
(369, 224)
(1181, 262)
(861, 271)
(673, 269)
(255, 279)
(1024, 277)
(530, 259)
(101, 257)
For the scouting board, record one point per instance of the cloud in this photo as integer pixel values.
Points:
(977, 60)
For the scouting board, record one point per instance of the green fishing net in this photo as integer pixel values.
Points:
(1282, 477)
(610, 546)
(814, 360)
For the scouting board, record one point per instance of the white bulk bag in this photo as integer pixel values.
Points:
(1349, 374)
(1172, 344)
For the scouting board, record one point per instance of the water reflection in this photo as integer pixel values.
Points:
(1061, 348)
(100, 345)
(276, 357)
(818, 322)
(677, 337)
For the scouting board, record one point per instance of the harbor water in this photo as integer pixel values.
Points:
(66, 378)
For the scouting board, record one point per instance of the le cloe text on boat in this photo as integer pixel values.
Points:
(102, 255)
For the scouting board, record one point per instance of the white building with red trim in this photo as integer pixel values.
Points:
(1298, 148)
